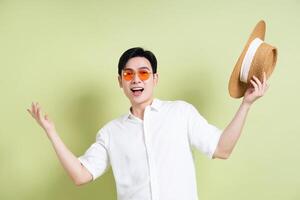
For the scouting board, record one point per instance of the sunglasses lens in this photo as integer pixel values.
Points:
(144, 75)
(128, 75)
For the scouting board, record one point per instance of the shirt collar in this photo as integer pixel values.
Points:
(155, 105)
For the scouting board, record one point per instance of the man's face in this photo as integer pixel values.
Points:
(138, 90)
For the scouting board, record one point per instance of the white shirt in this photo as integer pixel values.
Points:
(152, 158)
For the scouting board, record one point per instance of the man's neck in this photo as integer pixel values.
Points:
(139, 109)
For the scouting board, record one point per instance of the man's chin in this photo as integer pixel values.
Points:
(139, 100)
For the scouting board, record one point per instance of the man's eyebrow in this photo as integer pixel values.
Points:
(138, 68)
(144, 68)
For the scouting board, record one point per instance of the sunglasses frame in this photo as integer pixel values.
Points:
(134, 74)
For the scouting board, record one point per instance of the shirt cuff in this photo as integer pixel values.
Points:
(214, 143)
(86, 164)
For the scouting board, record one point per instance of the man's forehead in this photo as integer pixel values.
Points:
(137, 62)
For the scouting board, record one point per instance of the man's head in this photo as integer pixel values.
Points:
(137, 71)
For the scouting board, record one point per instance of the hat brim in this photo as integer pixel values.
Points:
(236, 87)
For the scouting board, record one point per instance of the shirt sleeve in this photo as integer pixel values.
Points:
(202, 135)
(96, 159)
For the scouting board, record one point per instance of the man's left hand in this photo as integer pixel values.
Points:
(257, 90)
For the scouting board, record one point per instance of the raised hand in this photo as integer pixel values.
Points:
(257, 90)
(78, 173)
(43, 121)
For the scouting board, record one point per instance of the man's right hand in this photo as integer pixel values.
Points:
(43, 121)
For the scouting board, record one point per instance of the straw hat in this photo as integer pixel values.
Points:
(256, 57)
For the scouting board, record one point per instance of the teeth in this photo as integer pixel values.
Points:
(137, 88)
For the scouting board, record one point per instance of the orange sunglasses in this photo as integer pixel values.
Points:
(129, 74)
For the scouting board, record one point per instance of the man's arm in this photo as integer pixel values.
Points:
(233, 131)
(78, 173)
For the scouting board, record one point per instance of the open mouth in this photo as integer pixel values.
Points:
(137, 91)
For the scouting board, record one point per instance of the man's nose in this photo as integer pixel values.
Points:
(136, 78)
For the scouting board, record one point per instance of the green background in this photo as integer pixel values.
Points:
(64, 55)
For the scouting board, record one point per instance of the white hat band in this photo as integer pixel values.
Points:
(245, 68)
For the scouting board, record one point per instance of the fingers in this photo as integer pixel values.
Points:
(35, 111)
(33, 108)
(30, 112)
(260, 87)
(254, 84)
(265, 84)
(258, 83)
(38, 112)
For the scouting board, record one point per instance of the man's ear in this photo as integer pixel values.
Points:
(120, 81)
(155, 78)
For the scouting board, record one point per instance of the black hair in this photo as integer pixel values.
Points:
(137, 52)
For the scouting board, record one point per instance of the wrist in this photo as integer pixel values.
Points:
(246, 105)
(51, 133)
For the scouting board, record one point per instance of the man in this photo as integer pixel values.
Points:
(149, 149)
